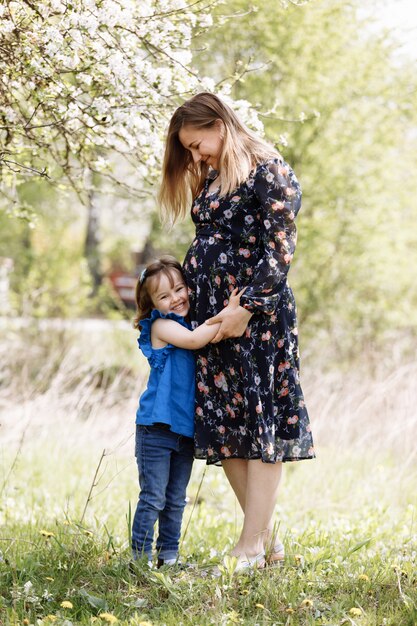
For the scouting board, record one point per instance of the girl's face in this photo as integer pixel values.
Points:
(205, 144)
(169, 294)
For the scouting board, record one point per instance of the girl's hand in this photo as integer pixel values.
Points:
(233, 319)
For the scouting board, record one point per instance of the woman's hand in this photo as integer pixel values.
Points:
(233, 319)
(234, 300)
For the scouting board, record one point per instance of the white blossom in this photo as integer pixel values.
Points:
(108, 75)
(7, 26)
(182, 56)
(57, 6)
(208, 83)
(53, 34)
(205, 20)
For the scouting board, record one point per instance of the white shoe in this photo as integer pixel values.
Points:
(276, 555)
(251, 563)
(163, 562)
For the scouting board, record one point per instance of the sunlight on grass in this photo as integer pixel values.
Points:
(68, 483)
(349, 532)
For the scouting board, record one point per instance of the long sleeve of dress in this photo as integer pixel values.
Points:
(279, 194)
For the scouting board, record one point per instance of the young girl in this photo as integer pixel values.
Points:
(165, 417)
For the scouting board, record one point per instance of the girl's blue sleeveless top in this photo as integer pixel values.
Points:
(169, 396)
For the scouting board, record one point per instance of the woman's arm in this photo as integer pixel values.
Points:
(169, 331)
(279, 195)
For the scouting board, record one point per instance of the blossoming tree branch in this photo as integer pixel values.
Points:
(89, 85)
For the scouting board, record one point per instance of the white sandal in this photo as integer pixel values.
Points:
(276, 555)
(251, 563)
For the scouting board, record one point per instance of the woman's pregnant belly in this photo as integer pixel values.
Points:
(213, 267)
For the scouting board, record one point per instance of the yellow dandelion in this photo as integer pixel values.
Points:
(108, 617)
(51, 618)
(49, 578)
(298, 558)
(307, 603)
(363, 577)
(244, 592)
(46, 533)
(26, 622)
(289, 610)
(355, 611)
(66, 604)
(259, 606)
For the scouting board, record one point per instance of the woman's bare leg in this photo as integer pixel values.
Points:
(236, 471)
(256, 487)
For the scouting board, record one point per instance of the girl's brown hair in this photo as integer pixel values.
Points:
(242, 149)
(144, 305)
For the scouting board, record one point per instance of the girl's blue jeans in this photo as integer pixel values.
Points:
(164, 461)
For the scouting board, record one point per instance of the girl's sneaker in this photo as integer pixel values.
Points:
(162, 562)
(174, 563)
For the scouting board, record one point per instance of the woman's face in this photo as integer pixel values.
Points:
(205, 144)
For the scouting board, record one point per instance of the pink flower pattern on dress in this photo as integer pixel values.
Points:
(249, 402)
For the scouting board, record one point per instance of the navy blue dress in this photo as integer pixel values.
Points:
(249, 402)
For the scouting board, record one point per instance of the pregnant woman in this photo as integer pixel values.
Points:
(250, 411)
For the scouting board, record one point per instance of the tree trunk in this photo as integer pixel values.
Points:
(92, 240)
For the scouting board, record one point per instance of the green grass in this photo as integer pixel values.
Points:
(347, 519)
(348, 523)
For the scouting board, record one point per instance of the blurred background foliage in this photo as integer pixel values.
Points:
(334, 90)
(340, 104)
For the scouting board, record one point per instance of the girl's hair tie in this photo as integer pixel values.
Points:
(142, 276)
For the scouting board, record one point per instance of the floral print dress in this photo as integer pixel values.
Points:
(249, 402)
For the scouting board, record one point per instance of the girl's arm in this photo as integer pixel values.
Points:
(169, 331)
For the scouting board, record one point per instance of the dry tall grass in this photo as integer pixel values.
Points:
(67, 396)
(84, 384)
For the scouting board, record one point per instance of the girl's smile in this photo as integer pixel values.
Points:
(171, 295)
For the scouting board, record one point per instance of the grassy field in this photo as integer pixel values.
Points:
(68, 487)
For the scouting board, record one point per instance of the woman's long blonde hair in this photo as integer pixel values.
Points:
(242, 149)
